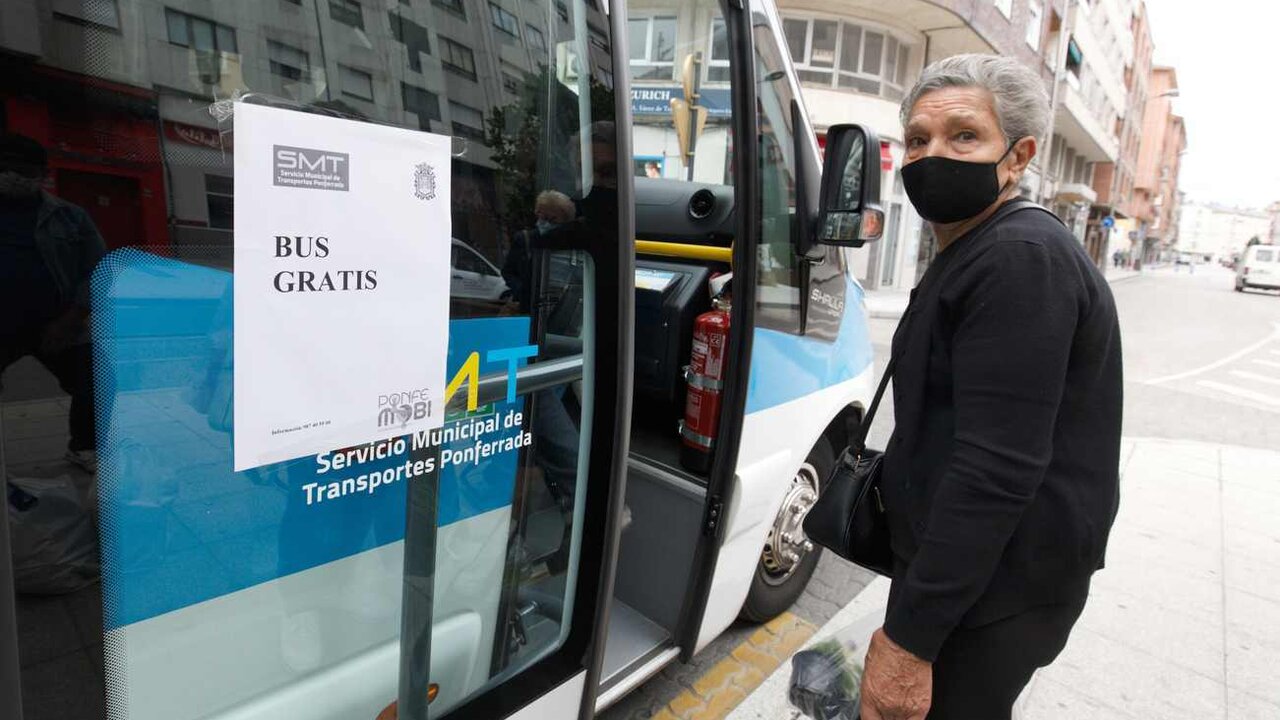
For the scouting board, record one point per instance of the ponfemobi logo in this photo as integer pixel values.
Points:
(398, 408)
(424, 182)
(310, 168)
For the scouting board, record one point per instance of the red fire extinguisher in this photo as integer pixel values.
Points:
(705, 379)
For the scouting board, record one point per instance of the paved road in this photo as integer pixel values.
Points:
(1201, 363)
(1185, 621)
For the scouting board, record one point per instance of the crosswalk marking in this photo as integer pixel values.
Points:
(1268, 363)
(1255, 376)
(1219, 363)
(1240, 392)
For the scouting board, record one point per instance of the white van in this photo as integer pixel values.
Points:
(1259, 268)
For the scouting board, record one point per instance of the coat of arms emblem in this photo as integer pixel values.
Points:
(424, 182)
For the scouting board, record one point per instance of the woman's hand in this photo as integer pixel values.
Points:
(896, 685)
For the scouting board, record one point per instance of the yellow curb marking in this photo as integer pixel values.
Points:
(730, 681)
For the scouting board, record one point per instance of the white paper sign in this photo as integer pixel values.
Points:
(342, 247)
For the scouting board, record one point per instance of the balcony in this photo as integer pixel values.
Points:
(1076, 192)
(1082, 131)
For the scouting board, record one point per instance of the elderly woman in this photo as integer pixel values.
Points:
(1000, 481)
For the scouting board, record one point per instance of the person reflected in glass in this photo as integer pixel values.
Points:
(551, 210)
(48, 251)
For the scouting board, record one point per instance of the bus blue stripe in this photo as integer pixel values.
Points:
(179, 526)
(787, 367)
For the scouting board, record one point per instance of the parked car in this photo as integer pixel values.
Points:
(1259, 268)
(473, 277)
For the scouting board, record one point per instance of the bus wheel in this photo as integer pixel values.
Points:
(788, 559)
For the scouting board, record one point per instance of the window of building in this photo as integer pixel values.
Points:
(219, 198)
(562, 10)
(510, 83)
(537, 40)
(848, 55)
(416, 39)
(504, 21)
(653, 47)
(454, 6)
(457, 58)
(1005, 7)
(1035, 24)
(816, 41)
(346, 12)
(426, 105)
(287, 61)
(718, 57)
(1075, 58)
(199, 34)
(355, 83)
(103, 14)
(467, 121)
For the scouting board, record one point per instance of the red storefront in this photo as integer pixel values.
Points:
(104, 148)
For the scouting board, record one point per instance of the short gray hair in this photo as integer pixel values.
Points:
(1021, 101)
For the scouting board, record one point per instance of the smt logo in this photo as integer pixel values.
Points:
(310, 168)
(424, 181)
(398, 408)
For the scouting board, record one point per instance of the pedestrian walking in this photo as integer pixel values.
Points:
(1001, 478)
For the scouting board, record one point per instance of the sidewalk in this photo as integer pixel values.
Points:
(890, 304)
(1184, 622)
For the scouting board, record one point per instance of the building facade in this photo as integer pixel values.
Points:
(1089, 99)
(167, 67)
(1111, 219)
(856, 59)
(1211, 231)
(1164, 139)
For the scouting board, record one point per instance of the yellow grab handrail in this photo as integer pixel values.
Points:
(681, 250)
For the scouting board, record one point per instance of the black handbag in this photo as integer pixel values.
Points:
(849, 517)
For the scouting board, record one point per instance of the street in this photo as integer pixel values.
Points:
(1185, 620)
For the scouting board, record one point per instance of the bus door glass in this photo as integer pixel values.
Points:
(150, 577)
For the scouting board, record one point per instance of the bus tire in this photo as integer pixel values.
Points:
(779, 580)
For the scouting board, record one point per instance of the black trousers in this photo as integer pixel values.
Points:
(980, 671)
(73, 368)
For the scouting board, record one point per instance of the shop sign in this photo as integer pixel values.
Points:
(196, 135)
(656, 100)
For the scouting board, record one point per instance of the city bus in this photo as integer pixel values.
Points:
(566, 530)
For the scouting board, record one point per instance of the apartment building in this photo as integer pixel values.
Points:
(1112, 217)
(1212, 231)
(165, 67)
(1089, 98)
(1164, 139)
(856, 59)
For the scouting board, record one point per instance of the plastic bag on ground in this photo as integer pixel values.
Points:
(53, 536)
(826, 677)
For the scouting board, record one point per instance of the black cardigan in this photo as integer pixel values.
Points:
(1001, 478)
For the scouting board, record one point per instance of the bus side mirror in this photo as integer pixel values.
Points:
(849, 213)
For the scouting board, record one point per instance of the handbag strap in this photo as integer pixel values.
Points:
(859, 443)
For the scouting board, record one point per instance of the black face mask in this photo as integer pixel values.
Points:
(946, 190)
